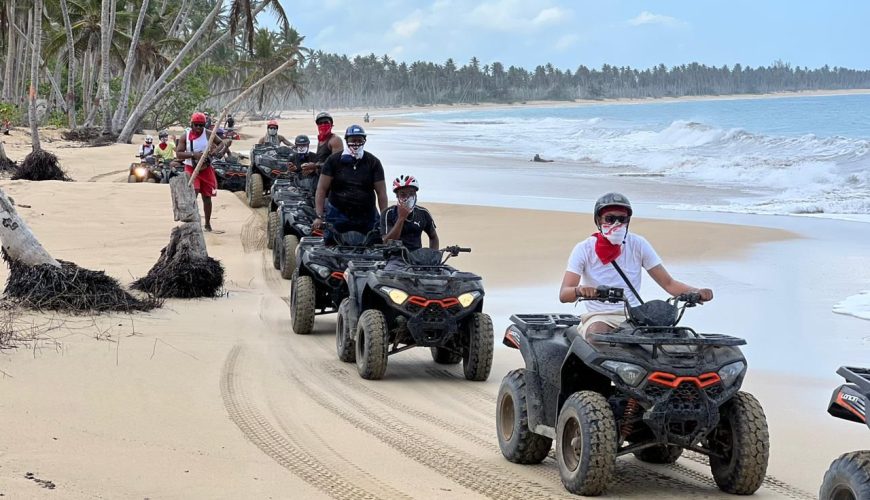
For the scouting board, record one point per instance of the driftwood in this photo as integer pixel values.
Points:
(38, 281)
(184, 269)
(6, 165)
(40, 165)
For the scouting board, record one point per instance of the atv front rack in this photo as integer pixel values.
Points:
(857, 376)
(699, 339)
(545, 322)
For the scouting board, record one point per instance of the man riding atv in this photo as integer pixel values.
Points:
(302, 163)
(146, 149)
(614, 257)
(272, 138)
(406, 221)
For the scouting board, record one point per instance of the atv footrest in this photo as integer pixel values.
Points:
(702, 339)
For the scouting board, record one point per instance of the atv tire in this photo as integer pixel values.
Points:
(254, 190)
(444, 356)
(517, 442)
(132, 179)
(344, 344)
(371, 345)
(271, 226)
(586, 443)
(288, 256)
(151, 180)
(661, 454)
(848, 478)
(742, 437)
(302, 304)
(477, 356)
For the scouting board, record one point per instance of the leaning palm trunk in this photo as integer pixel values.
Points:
(71, 72)
(34, 73)
(128, 70)
(17, 238)
(289, 63)
(106, 29)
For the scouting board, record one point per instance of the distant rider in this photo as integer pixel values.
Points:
(407, 221)
(146, 149)
(590, 265)
(231, 122)
(165, 149)
(191, 146)
(351, 179)
(272, 138)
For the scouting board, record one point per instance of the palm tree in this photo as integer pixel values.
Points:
(34, 72)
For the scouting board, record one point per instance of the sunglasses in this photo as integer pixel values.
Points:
(272, 128)
(613, 219)
(197, 124)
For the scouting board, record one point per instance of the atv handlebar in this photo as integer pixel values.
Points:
(455, 250)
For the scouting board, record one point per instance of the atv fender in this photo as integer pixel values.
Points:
(575, 375)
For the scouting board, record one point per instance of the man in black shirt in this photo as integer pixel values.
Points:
(352, 179)
(407, 221)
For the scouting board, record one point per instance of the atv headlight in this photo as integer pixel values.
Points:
(141, 171)
(397, 296)
(321, 271)
(729, 373)
(467, 298)
(629, 373)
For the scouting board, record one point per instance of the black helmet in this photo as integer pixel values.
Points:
(611, 200)
(354, 131)
(323, 115)
(302, 140)
(163, 134)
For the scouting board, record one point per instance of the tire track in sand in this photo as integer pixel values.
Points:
(253, 234)
(113, 172)
(277, 446)
(771, 483)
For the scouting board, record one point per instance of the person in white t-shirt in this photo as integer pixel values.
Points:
(589, 266)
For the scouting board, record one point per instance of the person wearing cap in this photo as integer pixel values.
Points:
(327, 143)
(351, 193)
(191, 146)
(272, 138)
(600, 259)
(406, 220)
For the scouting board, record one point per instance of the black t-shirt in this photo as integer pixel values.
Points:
(418, 222)
(352, 190)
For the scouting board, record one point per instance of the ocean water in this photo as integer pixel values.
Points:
(793, 155)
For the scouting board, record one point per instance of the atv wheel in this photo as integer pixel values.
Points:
(288, 256)
(344, 345)
(131, 179)
(254, 190)
(151, 180)
(848, 478)
(477, 356)
(741, 437)
(277, 251)
(586, 443)
(444, 356)
(271, 226)
(517, 442)
(371, 345)
(661, 454)
(302, 304)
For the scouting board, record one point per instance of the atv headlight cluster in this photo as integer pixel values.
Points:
(629, 373)
(397, 296)
(321, 271)
(141, 171)
(466, 299)
(729, 373)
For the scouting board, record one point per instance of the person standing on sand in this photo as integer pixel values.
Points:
(406, 221)
(191, 146)
(597, 260)
(351, 179)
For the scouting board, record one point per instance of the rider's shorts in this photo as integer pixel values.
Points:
(611, 318)
(205, 183)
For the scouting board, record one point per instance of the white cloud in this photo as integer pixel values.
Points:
(507, 15)
(647, 17)
(547, 16)
(408, 26)
(566, 41)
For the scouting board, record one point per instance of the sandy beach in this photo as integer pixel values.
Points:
(218, 398)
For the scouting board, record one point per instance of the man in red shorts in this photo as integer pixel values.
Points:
(191, 146)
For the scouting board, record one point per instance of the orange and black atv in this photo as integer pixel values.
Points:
(848, 477)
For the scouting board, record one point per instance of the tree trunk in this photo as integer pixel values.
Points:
(185, 210)
(10, 53)
(18, 240)
(71, 72)
(106, 29)
(34, 72)
(51, 80)
(128, 69)
(148, 100)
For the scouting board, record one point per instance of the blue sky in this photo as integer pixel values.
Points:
(569, 33)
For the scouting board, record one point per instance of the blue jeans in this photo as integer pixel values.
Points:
(341, 222)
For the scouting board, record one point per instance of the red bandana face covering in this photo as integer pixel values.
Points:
(194, 134)
(605, 250)
(323, 131)
(162, 146)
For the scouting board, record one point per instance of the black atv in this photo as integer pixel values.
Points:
(144, 170)
(166, 171)
(318, 281)
(650, 388)
(421, 302)
(292, 191)
(848, 477)
(230, 174)
(268, 163)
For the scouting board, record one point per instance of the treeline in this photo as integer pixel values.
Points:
(333, 80)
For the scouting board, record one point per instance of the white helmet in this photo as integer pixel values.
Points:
(148, 139)
(405, 181)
